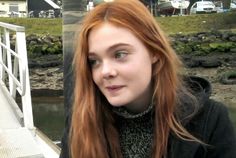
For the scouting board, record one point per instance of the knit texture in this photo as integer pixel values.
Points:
(135, 132)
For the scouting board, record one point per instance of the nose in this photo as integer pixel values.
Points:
(108, 70)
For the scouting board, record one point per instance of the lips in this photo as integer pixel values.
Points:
(114, 88)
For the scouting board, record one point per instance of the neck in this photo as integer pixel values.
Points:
(135, 109)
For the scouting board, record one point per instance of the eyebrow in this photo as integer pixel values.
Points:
(111, 48)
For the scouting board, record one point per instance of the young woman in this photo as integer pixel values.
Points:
(130, 99)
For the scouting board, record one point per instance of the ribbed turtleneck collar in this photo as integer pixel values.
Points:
(123, 112)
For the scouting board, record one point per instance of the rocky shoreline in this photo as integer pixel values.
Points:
(47, 79)
(209, 55)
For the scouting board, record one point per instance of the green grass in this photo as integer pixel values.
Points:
(171, 25)
(37, 25)
(198, 23)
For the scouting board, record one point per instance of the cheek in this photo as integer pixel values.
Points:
(96, 78)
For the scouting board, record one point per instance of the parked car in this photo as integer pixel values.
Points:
(233, 5)
(219, 6)
(203, 7)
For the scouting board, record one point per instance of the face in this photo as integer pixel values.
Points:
(121, 67)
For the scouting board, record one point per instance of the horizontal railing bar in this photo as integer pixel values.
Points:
(12, 27)
(9, 49)
(13, 77)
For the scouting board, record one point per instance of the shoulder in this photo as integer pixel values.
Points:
(214, 126)
(213, 110)
(211, 115)
(214, 114)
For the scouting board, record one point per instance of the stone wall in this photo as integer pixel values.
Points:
(207, 49)
(43, 45)
(204, 43)
(211, 49)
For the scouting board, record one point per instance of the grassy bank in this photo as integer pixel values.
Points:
(198, 23)
(37, 25)
(171, 25)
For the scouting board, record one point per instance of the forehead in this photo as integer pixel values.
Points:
(108, 28)
(107, 34)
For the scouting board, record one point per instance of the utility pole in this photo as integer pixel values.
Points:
(73, 11)
(151, 6)
(181, 7)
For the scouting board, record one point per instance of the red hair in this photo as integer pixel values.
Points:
(93, 132)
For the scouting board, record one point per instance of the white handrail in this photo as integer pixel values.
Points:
(12, 27)
(18, 73)
(20, 86)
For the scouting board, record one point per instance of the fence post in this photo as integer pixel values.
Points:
(26, 98)
(1, 58)
(9, 63)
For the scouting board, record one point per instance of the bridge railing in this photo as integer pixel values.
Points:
(14, 73)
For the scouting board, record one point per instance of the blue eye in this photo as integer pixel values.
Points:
(120, 54)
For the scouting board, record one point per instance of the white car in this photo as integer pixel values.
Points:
(219, 6)
(233, 5)
(203, 7)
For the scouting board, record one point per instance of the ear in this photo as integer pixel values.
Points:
(154, 58)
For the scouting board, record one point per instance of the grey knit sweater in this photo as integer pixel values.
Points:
(135, 132)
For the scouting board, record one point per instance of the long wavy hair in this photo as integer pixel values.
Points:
(93, 133)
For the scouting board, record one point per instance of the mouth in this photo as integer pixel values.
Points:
(114, 88)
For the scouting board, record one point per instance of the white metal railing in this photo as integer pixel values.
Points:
(14, 63)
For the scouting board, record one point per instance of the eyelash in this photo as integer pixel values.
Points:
(93, 62)
(118, 53)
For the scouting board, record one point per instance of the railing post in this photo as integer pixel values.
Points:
(1, 59)
(15, 72)
(26, 99)
(9, 63)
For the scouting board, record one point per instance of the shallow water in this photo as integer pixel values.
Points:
(49, 116)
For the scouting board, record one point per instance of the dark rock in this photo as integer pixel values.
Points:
(225, 36)
(233, 38)
(49, 74)
(46, 92)
(32, 42)
(183, 39)
(228, 77)
(50, 64)
(192, 63)
(210, 63)
(233, 50)
(45, 61)
(193, 39)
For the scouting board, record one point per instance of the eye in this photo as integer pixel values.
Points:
(120, 54)
(93, 62)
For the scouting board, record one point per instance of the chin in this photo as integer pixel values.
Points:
(117, 103)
